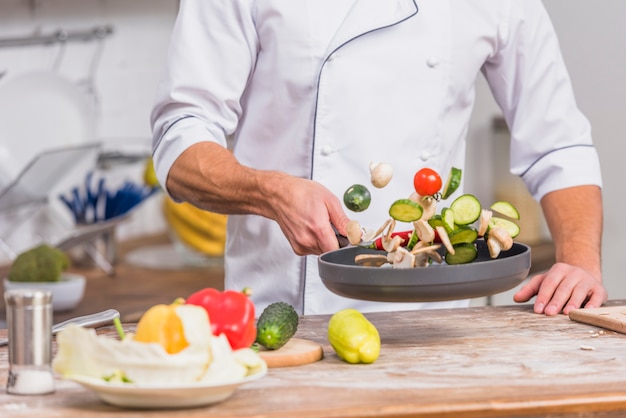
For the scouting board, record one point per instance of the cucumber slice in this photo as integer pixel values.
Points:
(412, 240)
(511, 227)
(357, 198)
(466, 209)
(506, 209)
(405, 210)
(452, 183)
(463, 235)
(448, 219)
(463, 253)
(435, 221)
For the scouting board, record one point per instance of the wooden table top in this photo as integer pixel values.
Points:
(472, 362)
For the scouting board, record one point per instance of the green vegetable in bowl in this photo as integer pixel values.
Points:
(43, 263)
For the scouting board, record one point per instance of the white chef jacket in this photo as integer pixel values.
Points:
(320, 88)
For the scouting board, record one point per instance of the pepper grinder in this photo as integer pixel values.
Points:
(29, 320)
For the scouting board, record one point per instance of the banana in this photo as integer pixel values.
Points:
(213, 224)
(195, 232)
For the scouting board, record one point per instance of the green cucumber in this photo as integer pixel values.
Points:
(506, 209)
(452, 183)
(463, 253)
(448, 219)
(511, 227)
(357, 198)
(405, 210)
(413, 238)
(464, 234)
(276, 325)
(466, 209)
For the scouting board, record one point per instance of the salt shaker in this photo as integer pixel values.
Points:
(29, 321)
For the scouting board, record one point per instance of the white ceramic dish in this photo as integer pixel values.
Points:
(38, 111)
(66, 293)
(161, 397)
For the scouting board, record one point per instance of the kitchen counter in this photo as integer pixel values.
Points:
(471, 362)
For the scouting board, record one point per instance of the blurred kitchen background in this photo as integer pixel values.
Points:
(111, 52)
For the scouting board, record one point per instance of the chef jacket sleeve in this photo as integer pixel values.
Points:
(551, 144)
(210, 59)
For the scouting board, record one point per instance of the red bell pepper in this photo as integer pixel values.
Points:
(378, 242)
(230, 312)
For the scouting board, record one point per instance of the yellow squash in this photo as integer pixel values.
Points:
(353, 337)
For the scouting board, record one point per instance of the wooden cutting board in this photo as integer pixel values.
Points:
(610, 317)
(295, 353)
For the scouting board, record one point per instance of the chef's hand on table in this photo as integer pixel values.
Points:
(574, 216)
(209, 176)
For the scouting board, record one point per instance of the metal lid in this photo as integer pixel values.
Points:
(27, 297)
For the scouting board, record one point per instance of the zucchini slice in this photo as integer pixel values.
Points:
(506, 209)
(466, 209)
(464, 234)
(463, 253)
(405, 210)
(511, 227)
(452, 183)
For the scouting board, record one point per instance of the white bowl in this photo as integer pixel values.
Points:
(66, 293)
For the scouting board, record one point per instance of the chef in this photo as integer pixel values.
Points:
(270, 109)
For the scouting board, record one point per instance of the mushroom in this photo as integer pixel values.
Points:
(381, 174)
(371, 260)
(430, 252)
(389, 243)
(403, 259)
(498, 240)
(354, 231)
(369, 234)
(445, 239)
(483, 222)
(429, 204)
(424, 231)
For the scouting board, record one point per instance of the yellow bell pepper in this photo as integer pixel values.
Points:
(161, 324)
(353, 337)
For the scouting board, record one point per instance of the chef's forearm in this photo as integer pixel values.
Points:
(209, 176)
(574, 216)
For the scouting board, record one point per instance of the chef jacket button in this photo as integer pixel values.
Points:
(432, 62)
(424, 155)
(327, 150)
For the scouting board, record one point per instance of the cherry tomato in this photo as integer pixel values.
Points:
(427, 182)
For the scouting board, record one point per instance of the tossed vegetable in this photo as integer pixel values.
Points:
(427, 182)
(357, 198)
(381, 174)
(353, 337)
(454, 227)
(231, 313)
(276, 325)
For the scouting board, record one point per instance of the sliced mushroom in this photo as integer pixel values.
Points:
(391, 244)
(483, 222)
(429, 204)
(381, 174)
(355, 232)
(424, 231)
(430, 252)
(403, 259)
(498, 240)
(370, 234)
(445, 239)
(371, 260)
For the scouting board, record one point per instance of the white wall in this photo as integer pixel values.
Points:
(593, 37)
